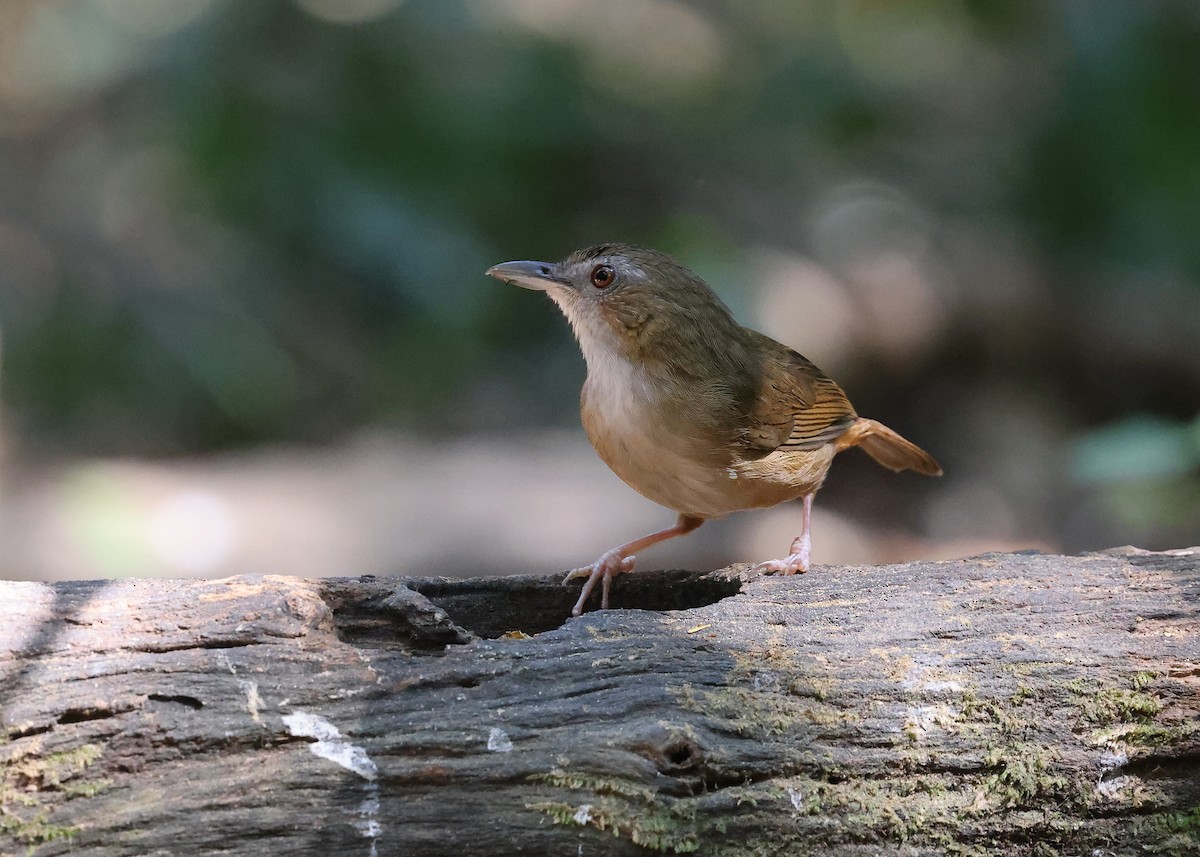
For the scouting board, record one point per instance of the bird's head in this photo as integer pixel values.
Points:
(620, 295)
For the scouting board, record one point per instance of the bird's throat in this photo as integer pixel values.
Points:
(604, 341)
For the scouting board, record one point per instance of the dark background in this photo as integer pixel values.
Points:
(245, 326)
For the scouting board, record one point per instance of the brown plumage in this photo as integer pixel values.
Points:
(693, 410)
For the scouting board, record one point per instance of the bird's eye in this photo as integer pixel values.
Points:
(603, 276)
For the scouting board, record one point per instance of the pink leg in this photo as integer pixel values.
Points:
(621, 559)
(798, 560)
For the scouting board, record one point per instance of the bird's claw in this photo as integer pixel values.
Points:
(788, 565)
(795, 563)
(604, 569)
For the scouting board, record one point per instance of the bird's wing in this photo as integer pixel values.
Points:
(798, 407)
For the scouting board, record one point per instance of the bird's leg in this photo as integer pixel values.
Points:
(621, 559)
(797, 561)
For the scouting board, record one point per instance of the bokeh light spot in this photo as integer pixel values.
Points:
(348, 11)
(804, 305)
(105, 522)
(154, 18)
(641, 49)
(193, 532)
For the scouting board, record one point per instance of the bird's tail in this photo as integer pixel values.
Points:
(888, 448)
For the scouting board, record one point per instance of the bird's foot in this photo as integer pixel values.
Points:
(609, 565)
(795, 563)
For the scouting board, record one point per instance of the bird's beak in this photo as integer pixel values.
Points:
(528, 275)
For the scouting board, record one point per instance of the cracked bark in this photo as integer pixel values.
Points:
(1017, 703)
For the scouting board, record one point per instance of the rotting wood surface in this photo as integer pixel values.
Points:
(1020, 704)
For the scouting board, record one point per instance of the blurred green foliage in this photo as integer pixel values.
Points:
(1115, 170)
(265, 226)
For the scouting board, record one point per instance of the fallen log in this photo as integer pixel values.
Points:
(1015, 703)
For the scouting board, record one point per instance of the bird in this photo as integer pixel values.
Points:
(691, 409)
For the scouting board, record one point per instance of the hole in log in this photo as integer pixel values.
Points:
(1156, 767)
(179, 699)
(492, 607)
(25, 731)
(680, 755)
(686, 770)
(427, 614)
(81, 715)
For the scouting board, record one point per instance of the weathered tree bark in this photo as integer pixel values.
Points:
(1002, 704)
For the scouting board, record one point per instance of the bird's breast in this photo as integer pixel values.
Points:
(663, 445)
